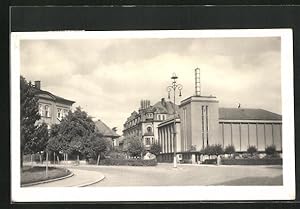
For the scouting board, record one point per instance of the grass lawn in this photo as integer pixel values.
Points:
(36, 174)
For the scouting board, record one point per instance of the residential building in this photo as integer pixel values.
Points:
(104, 131)
(52, 108)
(143, 125)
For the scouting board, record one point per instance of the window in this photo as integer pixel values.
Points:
(41, 111)
(59, 115)
(149, 129)
(65, 113)
(47, 111)
(158, 117)
(147, 141)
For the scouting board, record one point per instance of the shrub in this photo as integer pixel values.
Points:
(229, 149)
(251, 150)
(249, 161)
(155, 149)
(192, 148)
(129, 162)
(271, 150)
(210, 161)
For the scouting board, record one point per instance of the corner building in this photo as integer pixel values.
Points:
(143, 125)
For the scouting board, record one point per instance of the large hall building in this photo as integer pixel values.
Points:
(201, 122)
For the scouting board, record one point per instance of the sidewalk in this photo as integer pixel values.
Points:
(80, 178)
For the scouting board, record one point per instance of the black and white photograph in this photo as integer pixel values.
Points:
(152, 115)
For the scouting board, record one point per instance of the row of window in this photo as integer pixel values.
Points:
(148, 115)
(149, 140)
(45, 111)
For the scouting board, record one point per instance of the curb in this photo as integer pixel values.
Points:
(47, 181)
(90, 183)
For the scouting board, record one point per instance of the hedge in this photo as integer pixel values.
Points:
(210, 161)
(263, 161)
(128, 162)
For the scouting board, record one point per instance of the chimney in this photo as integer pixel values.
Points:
(163, 102)
(197, 82)
(37, 84)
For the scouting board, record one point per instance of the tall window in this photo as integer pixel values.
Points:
(147, 141)
(47, 111)
(59, 115)
(65, 113)
(149, 129)
(41, 111)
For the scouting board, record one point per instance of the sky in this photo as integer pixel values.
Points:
(109, 77)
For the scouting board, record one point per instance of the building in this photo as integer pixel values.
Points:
(143, 125)
(104, 131)
(52, 108)
(201, 123)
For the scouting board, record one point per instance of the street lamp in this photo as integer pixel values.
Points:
(173, 87)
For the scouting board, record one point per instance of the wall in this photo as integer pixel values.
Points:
(199, 126)
(256, 133)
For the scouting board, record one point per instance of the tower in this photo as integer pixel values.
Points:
(197, 82)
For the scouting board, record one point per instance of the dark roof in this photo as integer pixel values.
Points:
(247, 114)
(54, 97)
(104, 130)
(165, 107)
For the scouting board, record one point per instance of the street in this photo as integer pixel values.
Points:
(186, 175)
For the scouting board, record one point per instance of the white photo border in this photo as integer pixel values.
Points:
(158, 193)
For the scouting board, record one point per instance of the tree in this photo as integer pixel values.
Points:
(134, 147)
(229, 150)
(72, 134)
(96, 146)
(29, 114)
(215, 149)
(39, 141)
(155, 149)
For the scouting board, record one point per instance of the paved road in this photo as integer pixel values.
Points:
(184, 175)
(79, 179)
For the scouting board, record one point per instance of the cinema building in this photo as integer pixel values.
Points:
(199, 122)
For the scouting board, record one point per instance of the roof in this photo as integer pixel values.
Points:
(104, 130)
(247, 114)
(54, 97)
(165, 107)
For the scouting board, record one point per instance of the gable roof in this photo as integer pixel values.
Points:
(104, 130)
(55, 98)
(247, 114)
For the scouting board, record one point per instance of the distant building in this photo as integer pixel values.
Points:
(52, 108)
(143, 125)
(102, 129)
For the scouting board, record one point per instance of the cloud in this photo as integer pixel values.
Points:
(109, 77)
